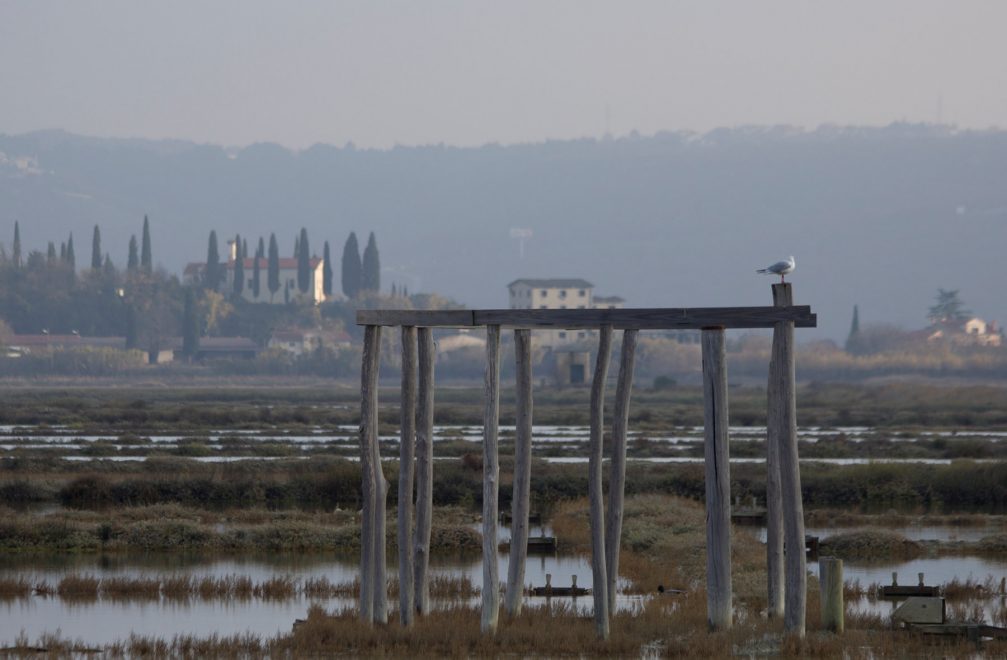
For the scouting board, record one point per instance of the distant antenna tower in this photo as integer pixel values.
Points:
(521, 234)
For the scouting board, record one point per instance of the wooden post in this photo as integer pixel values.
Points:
(522, 474)
(491, 474)
(380, 547)
(783, 417)
(594, 481)
(407, 441)
(617, 469)
(718, 481)
(369, 485)
(830, 577)
(424, 470)
(775, 438)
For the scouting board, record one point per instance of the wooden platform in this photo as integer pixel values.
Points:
(900, 591)
(973, 631)
(542, 544)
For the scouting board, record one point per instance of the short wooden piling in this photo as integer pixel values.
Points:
(718, 481)
(830, 577)
(369, 484)
(783, 417)
(424, 470)
(520, 499)
(491, 474)
(594, 480)
(407, 444)
(617, 467)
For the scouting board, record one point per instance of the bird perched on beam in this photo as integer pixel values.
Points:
(781, 268)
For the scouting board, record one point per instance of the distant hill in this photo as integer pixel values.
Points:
(880, 217)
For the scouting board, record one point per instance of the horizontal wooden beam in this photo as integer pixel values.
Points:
(657, 318)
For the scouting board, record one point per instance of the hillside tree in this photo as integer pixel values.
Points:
(370, 275)
(146, 259)
(273, 268)
(257, 270)
(326, 271)
(303, 262)
(133, 261)
(351, 267)
(71, 258)
(96, 260)
(16, 253)
(212, 275)
(948, 308)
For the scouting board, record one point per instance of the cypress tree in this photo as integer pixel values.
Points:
(108, 268)
(62, 251)
(370, 276)
(326, 272)
(257, 270)
(146, 261)
(71, 258)
(96, 249)
(50, 256)
(212, 277)
(239, 268)
(303, 262)
(853, 339)
(190, 325)
(244, 248)
(273, 275)
(16, 255)
(351, 267)
(395, 292)
(297, 246)
(134, 257)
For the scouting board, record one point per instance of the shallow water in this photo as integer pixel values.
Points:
(104, 621)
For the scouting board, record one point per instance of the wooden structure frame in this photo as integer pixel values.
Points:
(787, 579)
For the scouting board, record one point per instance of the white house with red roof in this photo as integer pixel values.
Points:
(288, 291)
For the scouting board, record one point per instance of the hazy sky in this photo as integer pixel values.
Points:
(468, 72)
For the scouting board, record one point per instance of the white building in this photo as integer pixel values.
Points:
(287, 291)
(559, 293)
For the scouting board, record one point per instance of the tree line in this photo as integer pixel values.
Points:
(359, 273)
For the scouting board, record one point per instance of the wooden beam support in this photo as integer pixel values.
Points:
(407, 443)
(680, 318)
(594, 483)
(718, 482)
(491, 486)
(520, 499)
(617, 467)
(369, 485)
(424, 470)
(783, 416)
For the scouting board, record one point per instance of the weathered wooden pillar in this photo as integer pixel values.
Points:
(369, 483)
(424, 470)
(775, 438)
(407, 442)
(594, 481)
(617, 468)
(830, 578)
(783, 417)
(718, 481)
(491, 486)
(520, 500)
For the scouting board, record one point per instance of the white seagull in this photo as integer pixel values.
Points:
(781, 268)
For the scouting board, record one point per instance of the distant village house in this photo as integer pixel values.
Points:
(288, 291)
